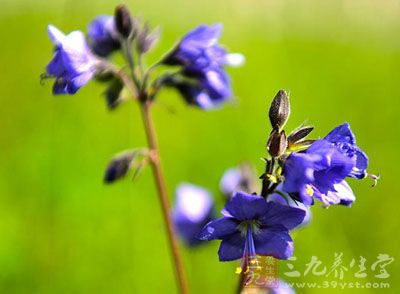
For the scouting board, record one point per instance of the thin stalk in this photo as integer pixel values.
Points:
(131, 62)
(162, 193)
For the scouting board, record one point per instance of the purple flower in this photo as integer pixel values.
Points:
(193, 210)
(345, 141)
(103, 35)
(199, 49)
(238, 179)
(208, 92)
(73, 65)
(202, 60)
(321, 170)
(251, 226)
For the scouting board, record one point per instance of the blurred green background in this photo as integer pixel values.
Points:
(63, 231)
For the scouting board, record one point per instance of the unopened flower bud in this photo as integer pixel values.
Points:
(146, 39)
(119, 166)
(280, 110)
(277, 143)
(123, 20)
(113, 94)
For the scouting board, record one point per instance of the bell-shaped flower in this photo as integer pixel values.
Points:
(203, 60)
(199, 49)
(207, 91)
(345, 141)
(73, 65)
(320, 171)
(103, 35)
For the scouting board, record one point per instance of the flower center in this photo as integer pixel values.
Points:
(309, 190)
(253, 225)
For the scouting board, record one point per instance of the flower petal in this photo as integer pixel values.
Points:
(203, 36)
(343, 138)
(203, 100)
(193, 202)
(219, 229)
(56, 67)
(76, 54)
(290, 202)
(282, 215)
(56, 36)
(298, 172)
(60, 87)
(244, 206)
(341, 134)
(274, 242)
(231, 248)
(359, 171)
(217, 84)
(340, 167)
(234, 59)
(103, 35)
(344, 193)
(79, 81)
(230, 181)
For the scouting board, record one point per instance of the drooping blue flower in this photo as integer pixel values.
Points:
(209, 91)
(203, 60)
(252, 226)
(321, 170)
(199, 49)
(345, 141)
(194, 208)
(73, 64)
(103, 36)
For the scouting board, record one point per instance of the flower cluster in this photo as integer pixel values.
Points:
(297, 171)
(199, 61)
(202, 60)
(320, 171)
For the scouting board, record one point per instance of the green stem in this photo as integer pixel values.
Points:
(126, 47)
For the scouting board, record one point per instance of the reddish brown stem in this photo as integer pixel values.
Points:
(163, 196)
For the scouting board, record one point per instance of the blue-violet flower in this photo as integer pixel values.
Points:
(345, 141)
(203, 60)
(194, 208)
(103, 35)
(73, 64)
(252, 226)
(320, 171)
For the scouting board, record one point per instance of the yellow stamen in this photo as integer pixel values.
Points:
(309, 190)
(272, 178)
(238, 270)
